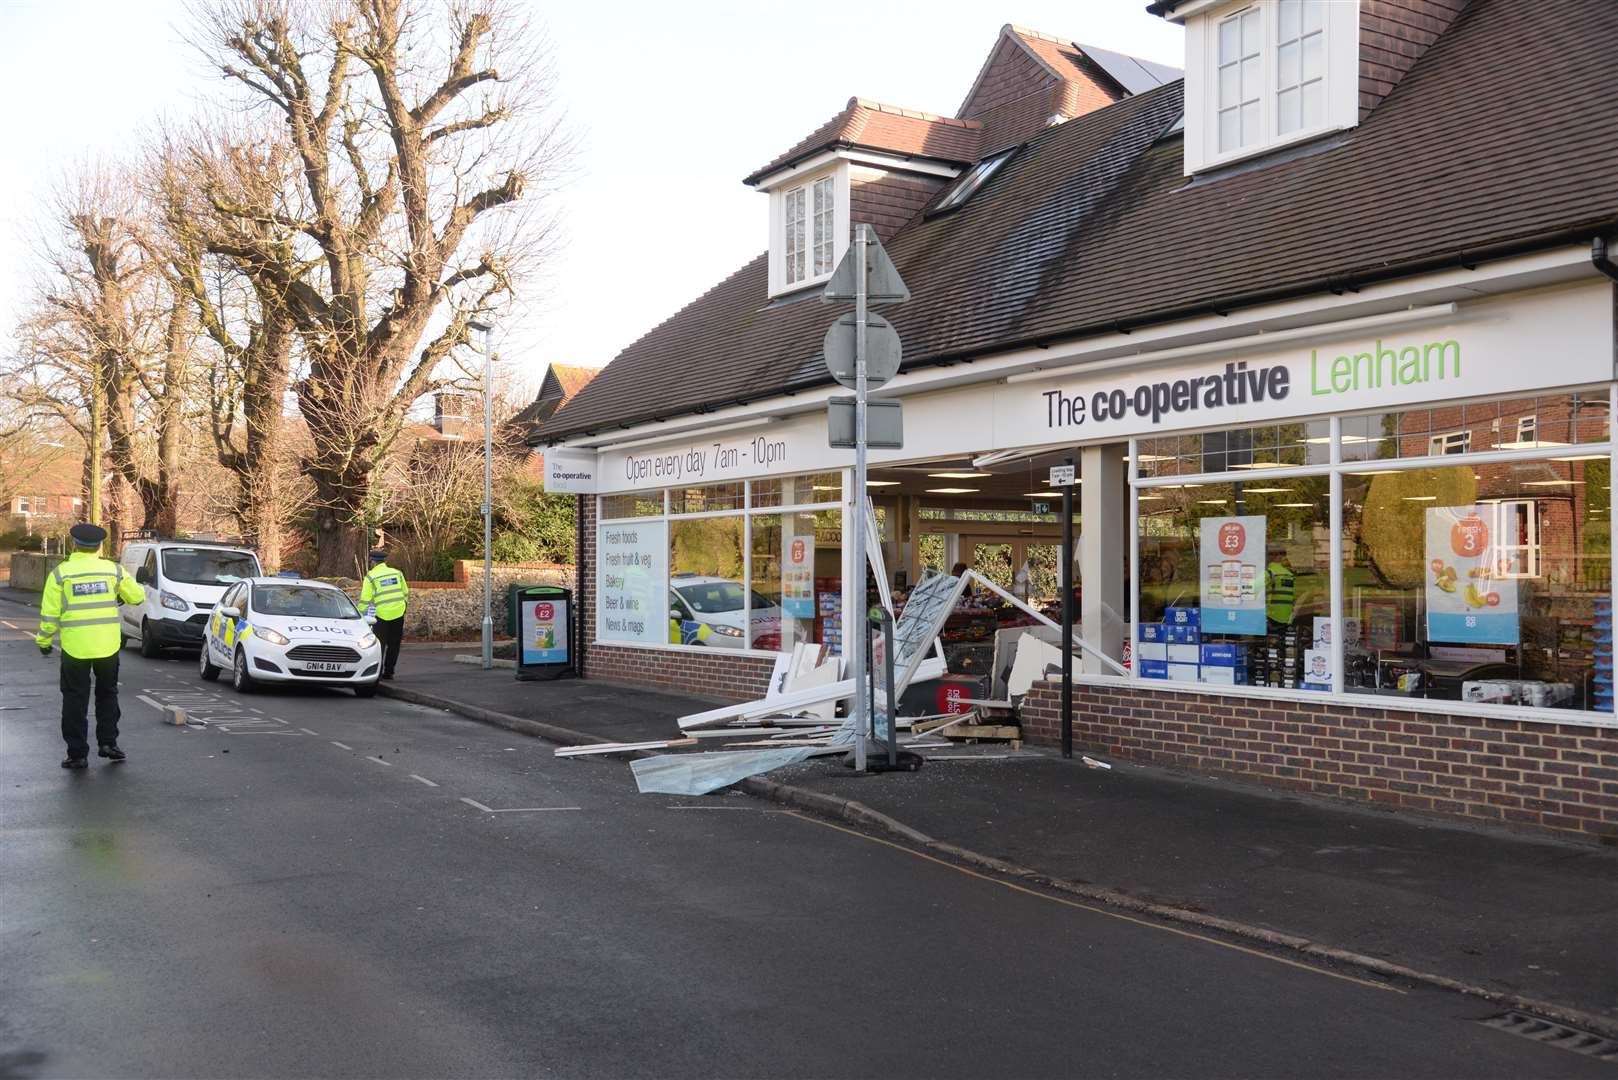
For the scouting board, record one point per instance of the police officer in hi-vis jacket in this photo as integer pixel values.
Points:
(384, 592)
(80, 606)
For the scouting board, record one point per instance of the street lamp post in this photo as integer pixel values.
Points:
(486, 328)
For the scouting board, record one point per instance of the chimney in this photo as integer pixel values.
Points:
(451, 412)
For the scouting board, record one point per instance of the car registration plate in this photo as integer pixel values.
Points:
(316, 669)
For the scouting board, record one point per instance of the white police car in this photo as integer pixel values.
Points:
(287, 629)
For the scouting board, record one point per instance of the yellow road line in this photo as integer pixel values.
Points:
(1100, 910)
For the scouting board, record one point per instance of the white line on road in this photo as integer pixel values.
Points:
(344, 746)
(153, 704)
(474, 802)
(379, 761)
(306, 731)
(533, 809)
(745, 808)
(423, 779)
(9, 625)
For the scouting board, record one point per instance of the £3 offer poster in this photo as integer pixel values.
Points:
(1233, 575)
(1471, 595)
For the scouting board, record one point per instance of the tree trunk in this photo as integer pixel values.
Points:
(341, 535)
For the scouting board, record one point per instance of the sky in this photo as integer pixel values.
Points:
(670, 105)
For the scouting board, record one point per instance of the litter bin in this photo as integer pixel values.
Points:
(542, 620)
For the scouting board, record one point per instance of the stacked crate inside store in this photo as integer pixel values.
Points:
(829, 612)
(1601, 698)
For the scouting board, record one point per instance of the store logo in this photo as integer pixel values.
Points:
(1236, 385)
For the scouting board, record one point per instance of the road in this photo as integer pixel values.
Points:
(315, 885)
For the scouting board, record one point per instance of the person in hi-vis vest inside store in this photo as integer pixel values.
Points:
(80, 606)
(384, 594)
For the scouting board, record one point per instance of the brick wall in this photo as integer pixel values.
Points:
(1559, 778)
(711, 673)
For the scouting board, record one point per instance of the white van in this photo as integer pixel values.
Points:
(183, 579)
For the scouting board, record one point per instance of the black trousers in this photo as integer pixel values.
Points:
(391, 633)
(76, 675)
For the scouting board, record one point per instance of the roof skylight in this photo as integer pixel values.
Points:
(975, 177)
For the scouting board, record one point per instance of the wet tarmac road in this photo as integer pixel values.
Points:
(334, 887)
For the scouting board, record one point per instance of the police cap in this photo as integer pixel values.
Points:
(379, 555)
(87, 535)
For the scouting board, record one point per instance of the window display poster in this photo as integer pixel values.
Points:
(1233, 575)
(1469, 597)
(544, 625)
(798, 576)
(633, 582)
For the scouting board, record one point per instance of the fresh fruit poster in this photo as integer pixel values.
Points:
(1233, 575)
(1470, 597)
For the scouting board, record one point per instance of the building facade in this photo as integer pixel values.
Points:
(1327, 325)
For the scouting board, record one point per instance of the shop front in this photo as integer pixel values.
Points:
(1368, 557)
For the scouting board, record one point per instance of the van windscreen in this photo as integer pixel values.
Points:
(207, 566)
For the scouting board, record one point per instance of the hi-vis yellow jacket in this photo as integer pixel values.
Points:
(80, 603)
(385, 587)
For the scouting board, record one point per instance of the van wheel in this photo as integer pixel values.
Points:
(205, 667)
(149, 647)
(240, 680)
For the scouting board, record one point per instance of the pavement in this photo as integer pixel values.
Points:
(1513, 916)
(317, 885)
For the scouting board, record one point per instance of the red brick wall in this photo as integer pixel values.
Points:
(1559, 778)
(711, 673)
(1393, 35)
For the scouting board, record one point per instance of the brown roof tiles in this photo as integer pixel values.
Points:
(871, 125)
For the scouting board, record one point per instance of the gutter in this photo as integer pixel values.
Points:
(1601, 257)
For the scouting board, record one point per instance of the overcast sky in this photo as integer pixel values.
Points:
(672, 104)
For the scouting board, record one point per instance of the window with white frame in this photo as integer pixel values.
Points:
(809, 231)
(1266, 73)
(1451, 442)
(1517, 525)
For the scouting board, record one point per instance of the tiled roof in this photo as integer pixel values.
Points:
(871, 125)
(1094, 226)
(571, 378)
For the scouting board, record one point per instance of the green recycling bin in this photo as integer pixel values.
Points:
(541, 625)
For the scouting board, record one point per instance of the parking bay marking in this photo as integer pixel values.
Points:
(423, 779)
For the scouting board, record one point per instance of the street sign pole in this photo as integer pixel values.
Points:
(854, 614)
(1067, 606)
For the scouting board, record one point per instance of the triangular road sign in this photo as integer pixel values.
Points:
(883, 285)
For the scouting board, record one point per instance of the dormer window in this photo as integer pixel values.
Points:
(1263, 74)
(810, 230)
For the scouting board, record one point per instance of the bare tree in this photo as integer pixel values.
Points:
(411, 154)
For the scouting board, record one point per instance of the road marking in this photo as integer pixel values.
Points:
(533, 809)
(423, 779)
(344, 746)
(9, 625)
(306, 731)
(379, 761)
(153, 704)
(474, 802)
(744, 808)
(1101, 910)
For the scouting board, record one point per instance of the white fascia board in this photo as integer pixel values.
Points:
(1196, 7)
(1459, 284)
(788, 176)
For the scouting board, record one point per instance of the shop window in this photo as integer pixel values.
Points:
(1512, 424)
(631, 505)
(1240, 450)
(797, 570)
(1235, 581)
(701, 500)
(707, 598)
(803, 490)
(1479, 583)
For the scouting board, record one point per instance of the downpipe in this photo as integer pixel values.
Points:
(1601, 256)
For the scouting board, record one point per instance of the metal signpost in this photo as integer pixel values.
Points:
(866, 276)
(1063, 476)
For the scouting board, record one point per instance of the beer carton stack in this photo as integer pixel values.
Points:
(1279, 659)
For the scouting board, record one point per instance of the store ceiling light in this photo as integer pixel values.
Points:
(951, 491)
(1149, 498)
(1294, 504)
(1266, 491)
(834, 487)
(1421, 498)
(881, 483)
(1548, 483)
(1582, 457)
(958, 475)
(1530, 444)
(1052, 493)
(1212, 502)
(1348, 440)
(1374, 472)
(1260, 465)
(1144, 458)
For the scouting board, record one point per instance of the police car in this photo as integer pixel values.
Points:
(290, 630)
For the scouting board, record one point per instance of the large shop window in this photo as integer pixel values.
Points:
(728, 566)
(1487, 581)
